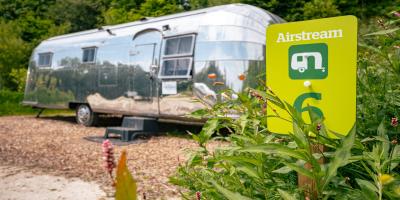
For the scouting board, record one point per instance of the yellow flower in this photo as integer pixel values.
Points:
(385, 179)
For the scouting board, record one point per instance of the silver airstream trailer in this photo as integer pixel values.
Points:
(158, 67)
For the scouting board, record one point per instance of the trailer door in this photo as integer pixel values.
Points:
(175, 74)
(144, 58)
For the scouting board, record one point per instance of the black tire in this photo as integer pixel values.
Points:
(85, 116)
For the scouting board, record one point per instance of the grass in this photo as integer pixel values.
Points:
(10, 104)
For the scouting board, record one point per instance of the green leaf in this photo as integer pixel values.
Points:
(381, 131)
(241, 159)
(283, 170)
(242, 138)
(125, 185)
(199, 114)
(368, 139)
(278, 149)
(285, 195)
(243, 122)
(313, 114)
(271, 98)
(229, 194)
(341, 156)
(249, 171)
(300, 169)
(195, 137)
(393, 22)
(383, 32)
(299, 137)
(372, 48)
(296, 116)
(366, 184)
(383, 137)
(208, 130)
(395, 157)
(194, 160)
(368, 189)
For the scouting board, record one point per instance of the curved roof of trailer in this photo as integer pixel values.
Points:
(233, 22)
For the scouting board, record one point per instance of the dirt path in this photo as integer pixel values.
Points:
(56, 146)
(24, 184)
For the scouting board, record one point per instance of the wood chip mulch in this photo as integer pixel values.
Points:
(56, 146)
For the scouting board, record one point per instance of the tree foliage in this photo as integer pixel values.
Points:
(14, 52)
(320, 9)
(25, 23)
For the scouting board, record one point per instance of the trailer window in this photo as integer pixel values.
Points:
(89, 55)
(176, 67)
(45, 59)
(177, 57)
(179, 46)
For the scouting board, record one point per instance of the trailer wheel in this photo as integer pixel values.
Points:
(85, 115)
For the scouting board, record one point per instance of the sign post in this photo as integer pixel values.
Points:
(313, 63)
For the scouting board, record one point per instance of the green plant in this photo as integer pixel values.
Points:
(379, 163)
(10, 103)
(378, 74)
(258, 164)
(18, 76)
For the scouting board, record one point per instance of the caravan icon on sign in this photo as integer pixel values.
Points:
(308, 61)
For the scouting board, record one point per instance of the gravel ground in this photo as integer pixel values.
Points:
(18, 183)
(56, 146)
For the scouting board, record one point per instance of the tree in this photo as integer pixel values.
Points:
(320, 9)
(120, 13)
(14, 54)
(15, 9)
(155, 8)
(80, 14)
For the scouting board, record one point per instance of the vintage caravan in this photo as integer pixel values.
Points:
(155, 67)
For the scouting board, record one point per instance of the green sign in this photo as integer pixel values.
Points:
(312, 65)
(308, 61)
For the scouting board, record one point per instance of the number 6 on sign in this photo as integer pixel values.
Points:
(298, 103)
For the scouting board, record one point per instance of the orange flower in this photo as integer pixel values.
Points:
(242, 77)
(212, 76)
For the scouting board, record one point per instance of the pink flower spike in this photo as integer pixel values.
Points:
(198, 195)
(108, 156)
(397, 14)
(394, 122)
(319, 127)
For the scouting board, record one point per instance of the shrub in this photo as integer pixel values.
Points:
(10, 103)
(378, 75)
(258, 164)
